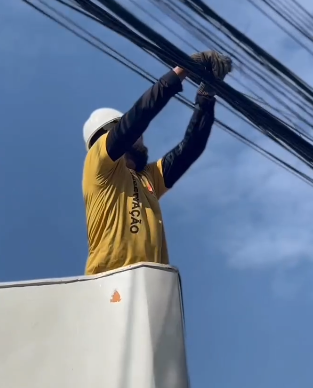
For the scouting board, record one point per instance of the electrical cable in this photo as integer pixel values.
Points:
(207, 13)
(251, 73)
(272, 127)
(186, 102)
(266, 122)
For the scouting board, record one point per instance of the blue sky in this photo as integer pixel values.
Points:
(239, 227)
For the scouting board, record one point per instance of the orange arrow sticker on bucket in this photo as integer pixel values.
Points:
(116, 297)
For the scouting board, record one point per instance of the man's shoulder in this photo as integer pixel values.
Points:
(93, 179)
(93, 167)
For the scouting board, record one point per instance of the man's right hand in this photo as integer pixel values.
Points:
(216, 63)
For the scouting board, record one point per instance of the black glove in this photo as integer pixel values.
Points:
(220, 65)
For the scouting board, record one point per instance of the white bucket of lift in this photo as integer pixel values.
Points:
(122, 329)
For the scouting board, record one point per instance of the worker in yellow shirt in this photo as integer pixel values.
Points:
(121, 189)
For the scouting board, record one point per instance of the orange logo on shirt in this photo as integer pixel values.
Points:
(149, 187)
(116, 297)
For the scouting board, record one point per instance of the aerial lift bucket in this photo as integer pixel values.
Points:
(120, 329)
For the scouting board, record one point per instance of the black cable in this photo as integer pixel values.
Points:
(298, 25)
(255, 58)
(201, 33)
(251, 72)
(207, 13)
(280, 25)
(186, 102)
(298, 118)
(186, 42)
(231, 109)
(301, 8)
(282, 10)
(267, 123)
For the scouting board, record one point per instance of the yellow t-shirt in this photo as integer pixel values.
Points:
(124, 220)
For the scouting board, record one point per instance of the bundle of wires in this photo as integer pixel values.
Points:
(289, 13)
(263, 72)
(152, 42)
(266, 122)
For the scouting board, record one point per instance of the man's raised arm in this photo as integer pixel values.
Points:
(166, 172)
(177, 161)
(133, 123)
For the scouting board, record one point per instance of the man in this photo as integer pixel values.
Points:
(121, 190)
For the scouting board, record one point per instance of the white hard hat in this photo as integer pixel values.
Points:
(98, 119)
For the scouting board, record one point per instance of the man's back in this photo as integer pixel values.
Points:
(124, 220)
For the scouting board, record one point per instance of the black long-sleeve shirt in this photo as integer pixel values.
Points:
(133, 124)
(177, 161)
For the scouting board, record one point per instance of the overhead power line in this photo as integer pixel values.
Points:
(264, 81)
(106, 49)
(207, 13)
(147, 38)
(291, 17)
